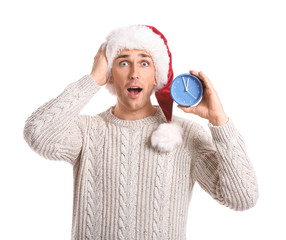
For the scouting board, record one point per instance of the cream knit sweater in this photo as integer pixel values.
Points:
(125, 189)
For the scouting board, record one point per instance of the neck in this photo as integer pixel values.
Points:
(130, 114)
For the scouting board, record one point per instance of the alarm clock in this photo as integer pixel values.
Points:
(187, 90)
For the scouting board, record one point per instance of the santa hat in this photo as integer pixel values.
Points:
(168, 135)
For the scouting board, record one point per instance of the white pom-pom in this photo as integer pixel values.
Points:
(167, 137)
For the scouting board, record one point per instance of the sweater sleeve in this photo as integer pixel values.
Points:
(55, 129)
(223, 168)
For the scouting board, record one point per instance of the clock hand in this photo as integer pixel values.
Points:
(192, 95)
(188, 84)
(186, 88)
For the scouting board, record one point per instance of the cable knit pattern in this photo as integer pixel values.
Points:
(94, 175)
(223, 169)
(134, 157)
(124, 188)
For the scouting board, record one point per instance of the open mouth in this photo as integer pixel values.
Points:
(134, 90)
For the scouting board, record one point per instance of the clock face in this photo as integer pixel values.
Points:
(187, 90)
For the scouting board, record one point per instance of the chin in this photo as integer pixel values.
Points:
(136, 105)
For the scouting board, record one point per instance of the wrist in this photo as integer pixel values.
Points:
(219, 121)
(96, 79)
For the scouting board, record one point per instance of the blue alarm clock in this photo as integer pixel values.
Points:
(187, 90)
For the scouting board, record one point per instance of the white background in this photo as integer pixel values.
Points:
(45, 45)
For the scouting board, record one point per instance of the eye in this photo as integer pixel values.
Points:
(123, 63)
(145, 64)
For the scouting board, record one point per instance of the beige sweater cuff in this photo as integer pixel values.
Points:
(223, 133)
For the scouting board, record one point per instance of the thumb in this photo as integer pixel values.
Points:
(186, 109)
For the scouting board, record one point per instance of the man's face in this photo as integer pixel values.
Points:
(133, 78)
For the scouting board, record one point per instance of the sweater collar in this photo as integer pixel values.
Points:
(157, 118)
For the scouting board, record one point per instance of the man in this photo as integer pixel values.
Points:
(134, 168)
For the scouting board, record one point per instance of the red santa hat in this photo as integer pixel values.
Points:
(168, 135)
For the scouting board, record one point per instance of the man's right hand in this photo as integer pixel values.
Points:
(99, 68)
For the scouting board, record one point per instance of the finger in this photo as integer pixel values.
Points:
(194, 72)
(202, 77)
(103, 46)
(206, 81)
(186, 109)
(101, 51)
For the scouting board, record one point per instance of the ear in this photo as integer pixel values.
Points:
(111, 80)
(155, 82)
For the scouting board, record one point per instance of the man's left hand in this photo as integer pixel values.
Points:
(210, 106)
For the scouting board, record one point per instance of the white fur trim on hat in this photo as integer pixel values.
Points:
(167, 136)
(142, 38)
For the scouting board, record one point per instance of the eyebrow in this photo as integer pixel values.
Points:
(127, 56)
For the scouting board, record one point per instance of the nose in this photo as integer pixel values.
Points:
(134, 72)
